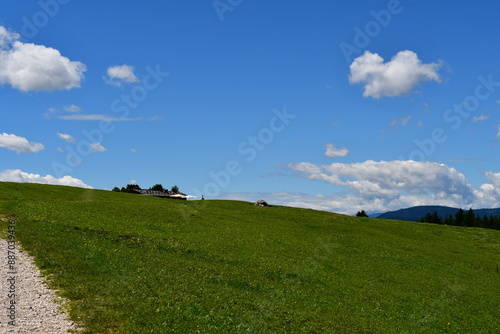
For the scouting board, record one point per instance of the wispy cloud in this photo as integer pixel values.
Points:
(96, 117)
(397, 77)
(66, 137)
(402, 121)
(465, 159)
(97, 147)
(480, 118)
(72, 108)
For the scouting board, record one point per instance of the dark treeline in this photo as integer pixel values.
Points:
(156, 187)
(463, 218)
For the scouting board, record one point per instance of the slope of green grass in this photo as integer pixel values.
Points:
(132, 264)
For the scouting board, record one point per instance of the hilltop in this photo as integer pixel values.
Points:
(137, 264)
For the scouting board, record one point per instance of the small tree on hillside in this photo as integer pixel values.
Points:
(175, 189)
(362, 213)
(116, 189)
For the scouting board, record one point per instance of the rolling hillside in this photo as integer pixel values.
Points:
(133, 264)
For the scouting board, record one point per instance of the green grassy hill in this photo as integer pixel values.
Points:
(132, 264)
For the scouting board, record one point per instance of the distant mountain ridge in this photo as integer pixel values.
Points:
(417, 212)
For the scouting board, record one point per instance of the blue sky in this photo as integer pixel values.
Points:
(340, 106)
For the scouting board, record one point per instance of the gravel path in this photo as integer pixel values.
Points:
(37, 308)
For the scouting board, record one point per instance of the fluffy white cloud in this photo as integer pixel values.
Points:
(392, 184)
(332, 152)
(383, 186)
(7, 37)
(16, 175)
(489, 193)
(96, 147)
(30, 67)
(397, 77)
(19, 144)
(66, 137)
(117, 75)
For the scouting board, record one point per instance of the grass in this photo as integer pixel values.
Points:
(133, 264)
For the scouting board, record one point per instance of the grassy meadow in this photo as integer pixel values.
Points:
(135, 264)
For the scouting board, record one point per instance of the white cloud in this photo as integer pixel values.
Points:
(402, 121)
(397, 77)
(16, 175)
(74, 160)
(7, 37)
(19, 144)
(345, 204)
(133, 150)
(389, 185)
(132, 182)
(72, 108)
(117, 75)
(382, 186)
(332, 152)
(480, 118)
(489, 193)
(66, 137)
(30, 67)
(97, 117)
(96, 147)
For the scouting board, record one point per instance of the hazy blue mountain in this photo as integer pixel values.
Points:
(417, 212)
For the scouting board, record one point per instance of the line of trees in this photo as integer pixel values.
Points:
(156, 187)
(463, 218)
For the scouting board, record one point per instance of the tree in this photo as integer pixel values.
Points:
(449, 220)
(459, 217)
(469, 218)
(157, 187)
(362, 213)
(435, 219)
(116, 189)
(175, 189)
(133, 187)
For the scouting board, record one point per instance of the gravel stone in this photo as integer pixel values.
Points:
(38, 308)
